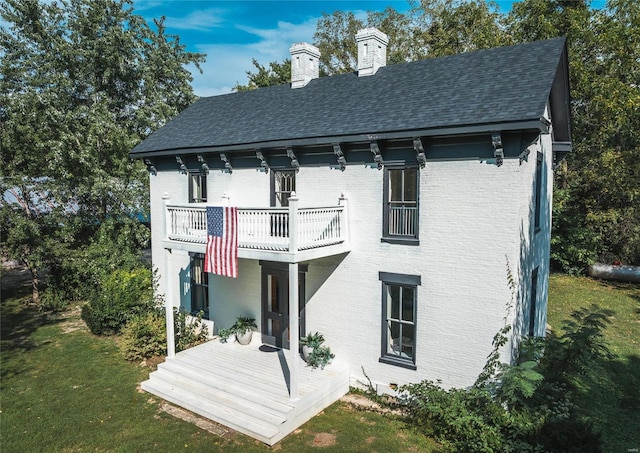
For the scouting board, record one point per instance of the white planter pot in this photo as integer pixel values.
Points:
(245, 338)
(306, 352)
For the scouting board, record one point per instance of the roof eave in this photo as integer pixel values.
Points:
(539, 124)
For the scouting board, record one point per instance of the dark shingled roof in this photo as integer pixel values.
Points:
(483, 88)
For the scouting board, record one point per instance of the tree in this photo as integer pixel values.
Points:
(275, 74)
(596, 209)
(81, 82)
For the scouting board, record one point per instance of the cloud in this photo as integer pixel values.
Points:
(201, 20)
(275, 42)
(227, 64)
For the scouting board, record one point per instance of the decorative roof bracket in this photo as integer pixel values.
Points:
(205, 167)
(418, 146)
(377, 156)
(342, 161)
(227, 164)
(498, 151)
(263, 162)
(294, 160)
(183, 167)
(150, 167)
(524, 155)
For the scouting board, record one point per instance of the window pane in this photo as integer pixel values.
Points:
(408, 340)
(393, 302)
(395, 185)
(411, 184)
(408, 297)
(393, 337)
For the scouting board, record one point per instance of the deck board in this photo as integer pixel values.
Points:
(246, 388)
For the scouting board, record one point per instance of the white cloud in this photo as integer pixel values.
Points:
(227, 64)
(201, 20)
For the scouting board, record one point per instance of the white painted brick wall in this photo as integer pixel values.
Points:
(473, 217)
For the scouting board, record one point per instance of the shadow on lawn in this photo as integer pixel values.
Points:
(611, 395)
(18, 321)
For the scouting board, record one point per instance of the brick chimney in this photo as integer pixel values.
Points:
(304, 64)
(372, 51)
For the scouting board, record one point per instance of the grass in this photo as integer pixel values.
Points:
(63, 389)
(612, 394)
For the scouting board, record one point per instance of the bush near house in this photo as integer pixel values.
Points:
(120, 296)
(528, 407)
(144, 336)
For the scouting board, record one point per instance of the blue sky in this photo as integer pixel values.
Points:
(231, 33)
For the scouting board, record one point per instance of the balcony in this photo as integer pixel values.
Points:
(288, 234)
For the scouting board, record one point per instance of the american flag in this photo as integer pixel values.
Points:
(221, 257)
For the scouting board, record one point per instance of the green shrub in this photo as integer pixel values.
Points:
(121, 295)
(527, 407)
(189, 330)
(144, 336)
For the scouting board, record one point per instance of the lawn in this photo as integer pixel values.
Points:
(63, 389)
(612, 397)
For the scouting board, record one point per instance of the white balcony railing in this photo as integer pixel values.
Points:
(275, 229)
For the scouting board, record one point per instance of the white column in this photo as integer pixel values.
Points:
(294, 330)
(344, 220)
(168, 305)
(293, 223)
(294, 303)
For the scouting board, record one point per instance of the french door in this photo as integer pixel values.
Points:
(275, 305)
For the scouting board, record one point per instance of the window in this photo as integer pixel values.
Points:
(399, 304)
(197, 187)
(533, 303)
(199, 286)
(283, 183)
(400, 214)
(538, 192)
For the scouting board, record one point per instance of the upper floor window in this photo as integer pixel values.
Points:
(400, 214)
(197, 187)
(283, 183)
(399, 306)
(538, 192)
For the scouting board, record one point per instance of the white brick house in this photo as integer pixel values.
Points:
(397, 194)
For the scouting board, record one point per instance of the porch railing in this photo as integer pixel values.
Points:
(265, 228)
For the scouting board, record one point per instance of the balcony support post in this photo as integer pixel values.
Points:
(168, 304)
(294, 330)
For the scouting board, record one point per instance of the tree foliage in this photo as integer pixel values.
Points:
(596, 209)
(81, 82)
(275, 74)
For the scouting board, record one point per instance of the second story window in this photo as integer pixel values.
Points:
(283, 183)
(197, 187)
(400, 214)
(538, 193)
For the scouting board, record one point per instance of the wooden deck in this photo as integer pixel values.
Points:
(246, 388)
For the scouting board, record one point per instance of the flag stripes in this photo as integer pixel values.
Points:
(221, 255)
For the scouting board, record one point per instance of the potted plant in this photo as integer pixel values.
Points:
(320, 357)
(309, 343)
(224, 335)
(243, 329)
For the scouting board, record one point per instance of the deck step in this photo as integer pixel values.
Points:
(216, 392)
(216, 411)
(245, 388)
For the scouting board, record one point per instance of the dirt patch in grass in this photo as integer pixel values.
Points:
(190, 417)
(324, 440)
